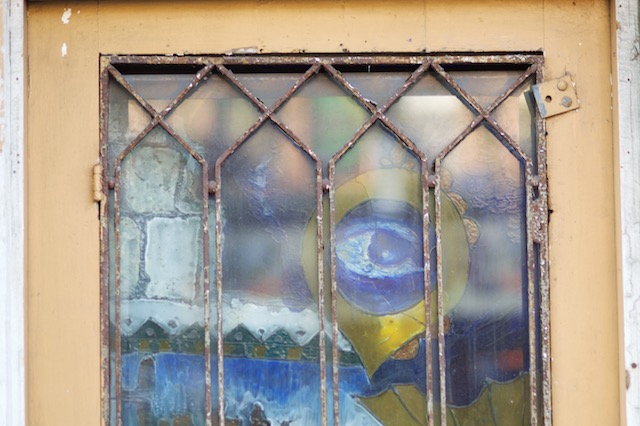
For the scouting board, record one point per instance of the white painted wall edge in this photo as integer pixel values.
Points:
(628, 63)
(12, 217)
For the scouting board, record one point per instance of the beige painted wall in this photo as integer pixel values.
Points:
(62, 146)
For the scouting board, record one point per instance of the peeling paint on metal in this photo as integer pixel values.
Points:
(66, 16)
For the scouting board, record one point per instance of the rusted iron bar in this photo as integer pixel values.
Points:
(522, 59)
(104, 246)
(543, 256)
(531, 300)
(426, 257)
(440, 293)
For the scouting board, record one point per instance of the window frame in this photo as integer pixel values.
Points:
(535, 185)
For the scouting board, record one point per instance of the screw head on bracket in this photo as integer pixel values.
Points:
(562, 85)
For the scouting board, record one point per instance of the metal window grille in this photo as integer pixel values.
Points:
(113, 72)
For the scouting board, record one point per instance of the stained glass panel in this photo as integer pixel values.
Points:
(323, 241)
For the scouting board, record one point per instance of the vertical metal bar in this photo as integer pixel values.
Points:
(440, 292)
(334, 290)
(218, 201)
(320, 260)
(543, 262)
(118, 343)
(531, 299)
(104, 247)
(426, 221)
(206, 295)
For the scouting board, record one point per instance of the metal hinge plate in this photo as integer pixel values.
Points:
(97, 183)
(555, 97)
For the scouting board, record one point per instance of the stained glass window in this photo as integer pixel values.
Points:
(324, 241)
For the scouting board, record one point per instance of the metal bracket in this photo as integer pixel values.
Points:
(555, 97)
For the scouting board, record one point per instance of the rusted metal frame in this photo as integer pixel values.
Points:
(543, 262)
(440, 293)
(220, 348)
(496, 59)
(321, 313)
(206, 293)
(542, 152)
(378, 114)
(532, 181)
(104, 247)
(531, 299)
(157, 119)
(268, 113)
(426, 258)
(346, 59)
